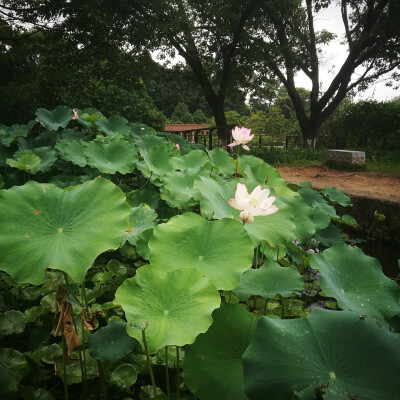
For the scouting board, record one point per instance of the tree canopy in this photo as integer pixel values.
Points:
(231, 47)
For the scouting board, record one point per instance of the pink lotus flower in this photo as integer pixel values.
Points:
(241, 136)
(76, 116)
(177, 146)
(257, 203)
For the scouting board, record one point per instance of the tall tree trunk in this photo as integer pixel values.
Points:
(218, 109)
(309, 133)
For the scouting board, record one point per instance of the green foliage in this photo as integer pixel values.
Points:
(156, 254)
(207, 358)
(336, 353)
(172, 308)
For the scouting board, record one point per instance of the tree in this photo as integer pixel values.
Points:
(199, 117)
(289, 44)
(181, 115)
(209, 35)
(40, 69)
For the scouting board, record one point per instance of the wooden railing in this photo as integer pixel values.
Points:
(209, 138)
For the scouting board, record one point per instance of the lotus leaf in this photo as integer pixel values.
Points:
(223, 161)
(10, 133)
(142, 218)
(268, 281)
(195, 162)
(213, 363)
(330, 235)
(73, 369)
(111, 343)
(336, 196)
(260, 172)
(42, 226)
(26, 162)
(72, 150)
(55, 119)
(115, 124)
(46, 154)
(214, 196)
(357, 282)
(147, 195)
(12, 322)
(157, 160)
(178, 191)
(124, 376)
(176, 305)
(221, 250)
(303, 214)
(335, 352)
(111, 154)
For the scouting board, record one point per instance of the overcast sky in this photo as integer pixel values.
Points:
(334, 55)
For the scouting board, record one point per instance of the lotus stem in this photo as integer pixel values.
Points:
(153, 382)
(84, 301)
(178, 394)
(167, 372)
(64, 348)
(237, 160)
(82, 362)
(103, 389)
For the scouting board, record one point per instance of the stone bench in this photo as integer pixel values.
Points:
(345, 157)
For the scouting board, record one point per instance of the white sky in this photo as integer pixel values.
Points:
(334, 55)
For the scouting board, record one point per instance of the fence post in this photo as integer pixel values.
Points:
(259, 140)
(210, 139)
(196, 137)
(204, 139)
(286, 142)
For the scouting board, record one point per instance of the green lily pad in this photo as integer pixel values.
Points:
(221, 250)
(268, 281)
(142, 218)
(178, 190)
(114, 124)
(176, 305)
(157, 161)
(334, 351)
(147, 195)
(72, 150)
(55, 119)
(124, 376)
(348, 220)
(357, 282)
(8, 134)
(213, 363)
(262, 173)
(46, 154)
(223, 161)
(73, 369)
(111, 343)
(25, 162)
(303, 214)
(12, 322)
(214, 196)
(336, 196)
(195, 162)
(111, 154)
(42, 226)
(277, 229)
(330, 235)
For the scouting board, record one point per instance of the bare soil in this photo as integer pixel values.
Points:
(375, 185)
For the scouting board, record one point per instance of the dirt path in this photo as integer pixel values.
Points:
(377, 185)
